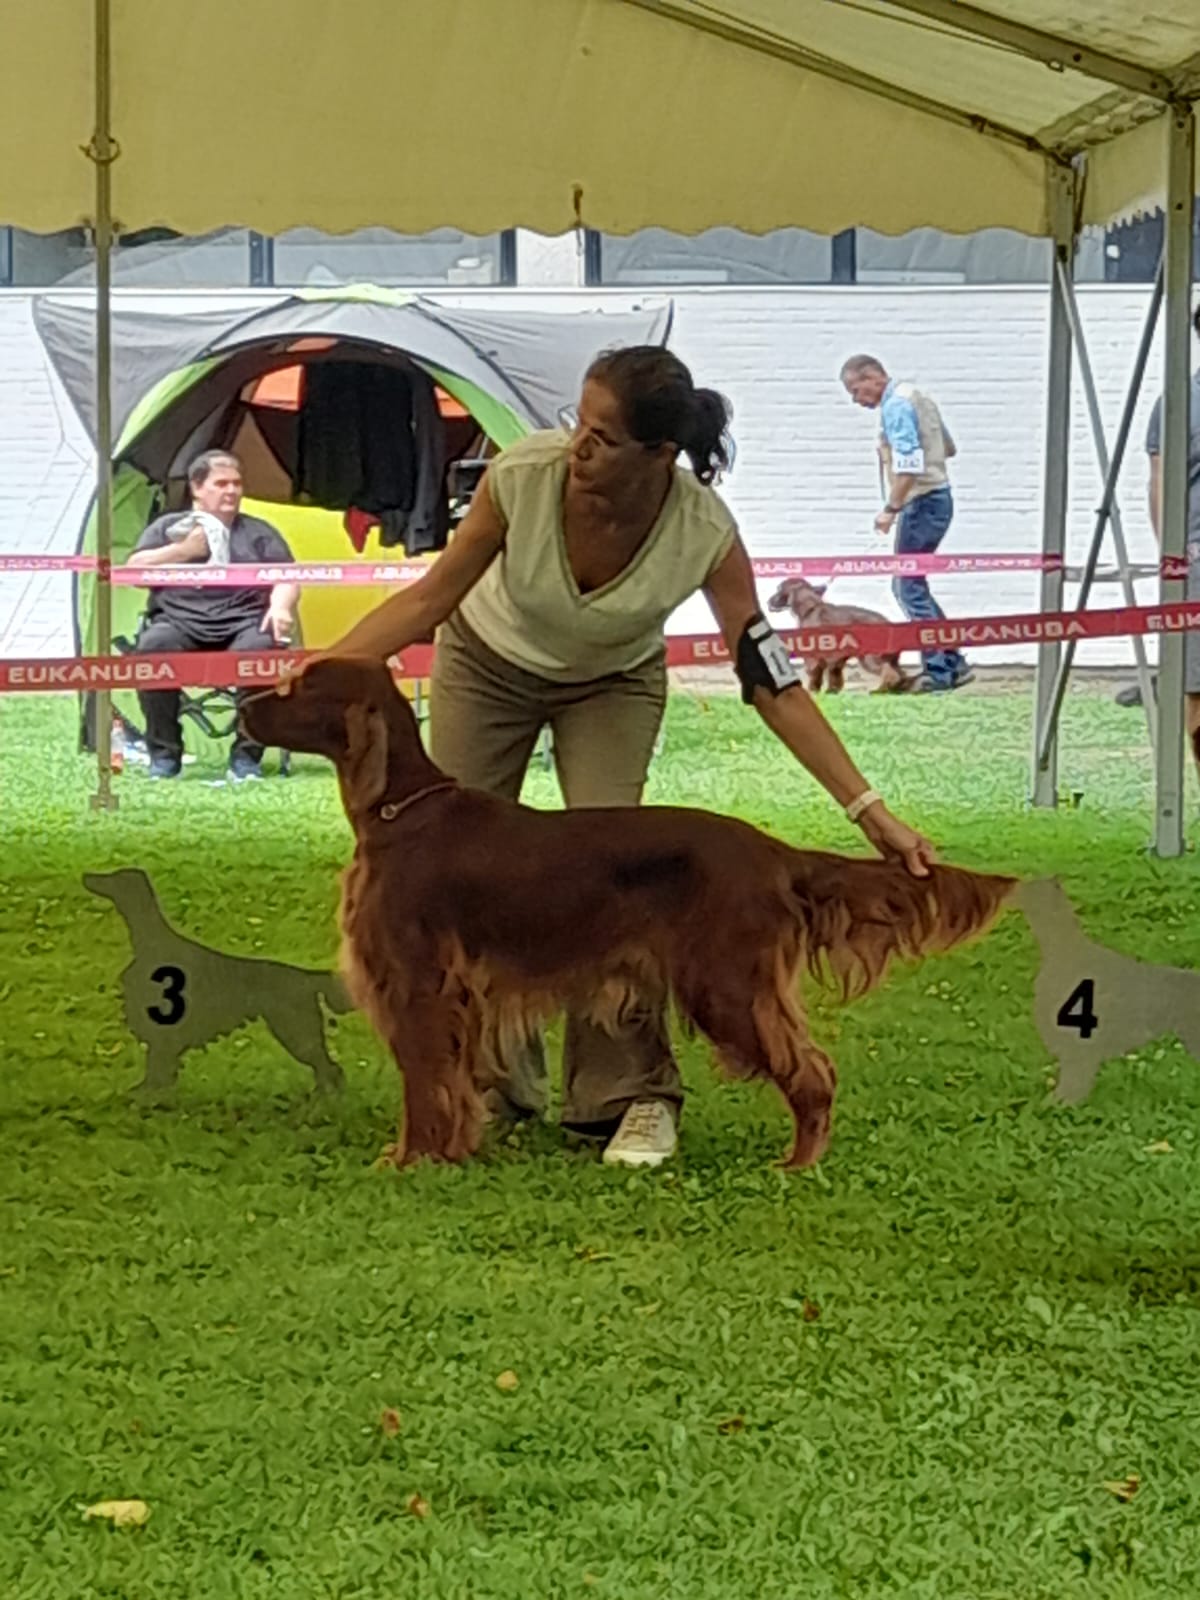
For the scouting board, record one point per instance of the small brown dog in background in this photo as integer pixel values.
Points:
(808, 606)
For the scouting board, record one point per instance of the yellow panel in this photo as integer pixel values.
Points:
(327, 612)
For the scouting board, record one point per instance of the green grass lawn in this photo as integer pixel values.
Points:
(909, 1372)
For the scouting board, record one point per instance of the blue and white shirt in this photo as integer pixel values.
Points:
(913, 439)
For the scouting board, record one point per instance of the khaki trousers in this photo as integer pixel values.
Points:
(485, 718)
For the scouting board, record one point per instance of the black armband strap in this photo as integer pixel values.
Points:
(763, 661)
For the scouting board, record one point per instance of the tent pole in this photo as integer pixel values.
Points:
(750, 36)
(1079, 338)
(1168, 774)
(103, 152)
(1055, 50)
(1103, 512)
(1062, 188)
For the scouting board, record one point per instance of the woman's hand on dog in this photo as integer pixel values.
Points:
(896, 841)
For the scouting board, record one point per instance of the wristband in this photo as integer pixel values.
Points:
(869, 797)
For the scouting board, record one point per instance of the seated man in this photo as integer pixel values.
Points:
(209, 618)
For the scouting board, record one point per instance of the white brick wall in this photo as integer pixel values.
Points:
(805, 479)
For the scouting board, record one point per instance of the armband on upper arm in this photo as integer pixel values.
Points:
(762, 660)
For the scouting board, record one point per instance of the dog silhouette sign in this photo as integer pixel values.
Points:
(1092, 1004)
(181, 995)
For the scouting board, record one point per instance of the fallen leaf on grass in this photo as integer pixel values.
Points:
(508, 1381)
(586, 1253)
(389, 1421)
(416, 1506)
(1039, 1308)
(732, 1425)
(121, 1513)
(1160, 1147)
(808, 1309)
(1124, 1488)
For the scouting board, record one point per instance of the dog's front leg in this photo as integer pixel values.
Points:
(162, 1066)
(443, 1111)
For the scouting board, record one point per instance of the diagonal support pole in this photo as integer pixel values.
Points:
(1103, 514)
(990, 26)
(1088, 379)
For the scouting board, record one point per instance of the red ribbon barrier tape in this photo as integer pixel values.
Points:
(247, 670)
(355, 573)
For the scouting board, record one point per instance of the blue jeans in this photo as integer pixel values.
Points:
(922, 526)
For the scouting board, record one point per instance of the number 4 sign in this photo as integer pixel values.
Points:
(1091, 1003)
(1078, 1010)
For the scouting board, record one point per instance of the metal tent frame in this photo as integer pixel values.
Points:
(1164, 708)
(1167, 98)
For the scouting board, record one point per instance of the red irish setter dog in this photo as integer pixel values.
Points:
(466, 920)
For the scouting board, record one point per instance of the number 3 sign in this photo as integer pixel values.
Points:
(180, 995)
(1092, 1004)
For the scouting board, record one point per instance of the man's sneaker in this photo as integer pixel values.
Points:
(1132, 696)
(927, 685)
(165, 767)
(645, 1137)
(242, 768)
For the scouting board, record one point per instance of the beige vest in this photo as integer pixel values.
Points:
(934, 435)
(527, 607)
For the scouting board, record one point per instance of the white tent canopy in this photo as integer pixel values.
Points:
(1037, 115)
(624, 114)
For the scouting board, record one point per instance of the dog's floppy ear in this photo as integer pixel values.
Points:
(364, 770)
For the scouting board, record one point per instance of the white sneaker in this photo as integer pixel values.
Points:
(645, 1138)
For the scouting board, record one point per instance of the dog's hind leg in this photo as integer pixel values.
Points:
(443, 1110)
(886, 670)
(767, 1038)
(302, 1034)
(804, 1075)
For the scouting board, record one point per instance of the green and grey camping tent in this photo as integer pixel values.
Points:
(185, 382)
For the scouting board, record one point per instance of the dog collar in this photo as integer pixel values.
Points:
(392, 808)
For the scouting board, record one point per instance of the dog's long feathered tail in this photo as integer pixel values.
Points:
(858, 916)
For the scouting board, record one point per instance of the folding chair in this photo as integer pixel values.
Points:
(213, 711)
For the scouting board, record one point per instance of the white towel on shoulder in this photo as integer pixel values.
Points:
(215, 532)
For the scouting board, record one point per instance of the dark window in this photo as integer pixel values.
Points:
(236, 257)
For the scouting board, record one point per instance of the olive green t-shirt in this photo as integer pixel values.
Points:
(528, 608)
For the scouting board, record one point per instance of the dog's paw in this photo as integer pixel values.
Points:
(393, 1156)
